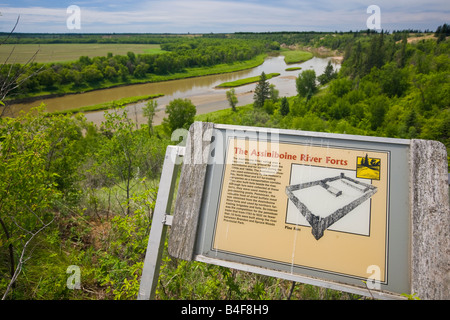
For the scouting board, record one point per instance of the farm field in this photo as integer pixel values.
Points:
(70, 52)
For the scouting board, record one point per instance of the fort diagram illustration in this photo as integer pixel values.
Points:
(341, 194)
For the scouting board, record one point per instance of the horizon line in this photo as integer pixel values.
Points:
(410, 30)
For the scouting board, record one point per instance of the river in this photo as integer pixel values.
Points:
(200, 90)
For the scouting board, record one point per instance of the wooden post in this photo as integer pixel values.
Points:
(430, 220)
(190, 190)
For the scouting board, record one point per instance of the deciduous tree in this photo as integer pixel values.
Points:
(149, 112)
(232, 99)
(306, 84)
(180, 114)
(27, 188)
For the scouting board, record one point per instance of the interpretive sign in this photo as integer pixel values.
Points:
(318, 210)
(328, 209)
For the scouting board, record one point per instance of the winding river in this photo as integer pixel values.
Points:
(200, 90)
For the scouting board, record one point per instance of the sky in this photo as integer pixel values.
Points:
(219, 16)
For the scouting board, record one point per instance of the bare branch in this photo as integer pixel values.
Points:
(22, 259)
(12, 81)
(12, 31)
(14, 78)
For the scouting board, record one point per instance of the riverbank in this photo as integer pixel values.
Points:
(323, 52)
(111, 104)
(150, 78)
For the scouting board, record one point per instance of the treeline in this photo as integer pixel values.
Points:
(49, 38)
(188, 53)
(199, 52)
(332, 40)
(283, 37)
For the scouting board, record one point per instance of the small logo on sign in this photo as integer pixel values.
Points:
(368, 168)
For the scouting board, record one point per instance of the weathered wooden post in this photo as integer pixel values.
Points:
(430, 236)
(192, 181)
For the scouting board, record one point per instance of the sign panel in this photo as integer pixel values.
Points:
(323, 208)
(333, 207)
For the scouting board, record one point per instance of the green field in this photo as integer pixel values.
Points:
(243, 82)
(71, 52)
(296, 56)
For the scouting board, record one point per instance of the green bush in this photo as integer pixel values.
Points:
(180, 115)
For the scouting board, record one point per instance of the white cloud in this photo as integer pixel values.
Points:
(226, 15)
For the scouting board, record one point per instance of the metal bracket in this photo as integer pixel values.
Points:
(161, 219)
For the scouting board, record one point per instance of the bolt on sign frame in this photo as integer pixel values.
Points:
(351, 213)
